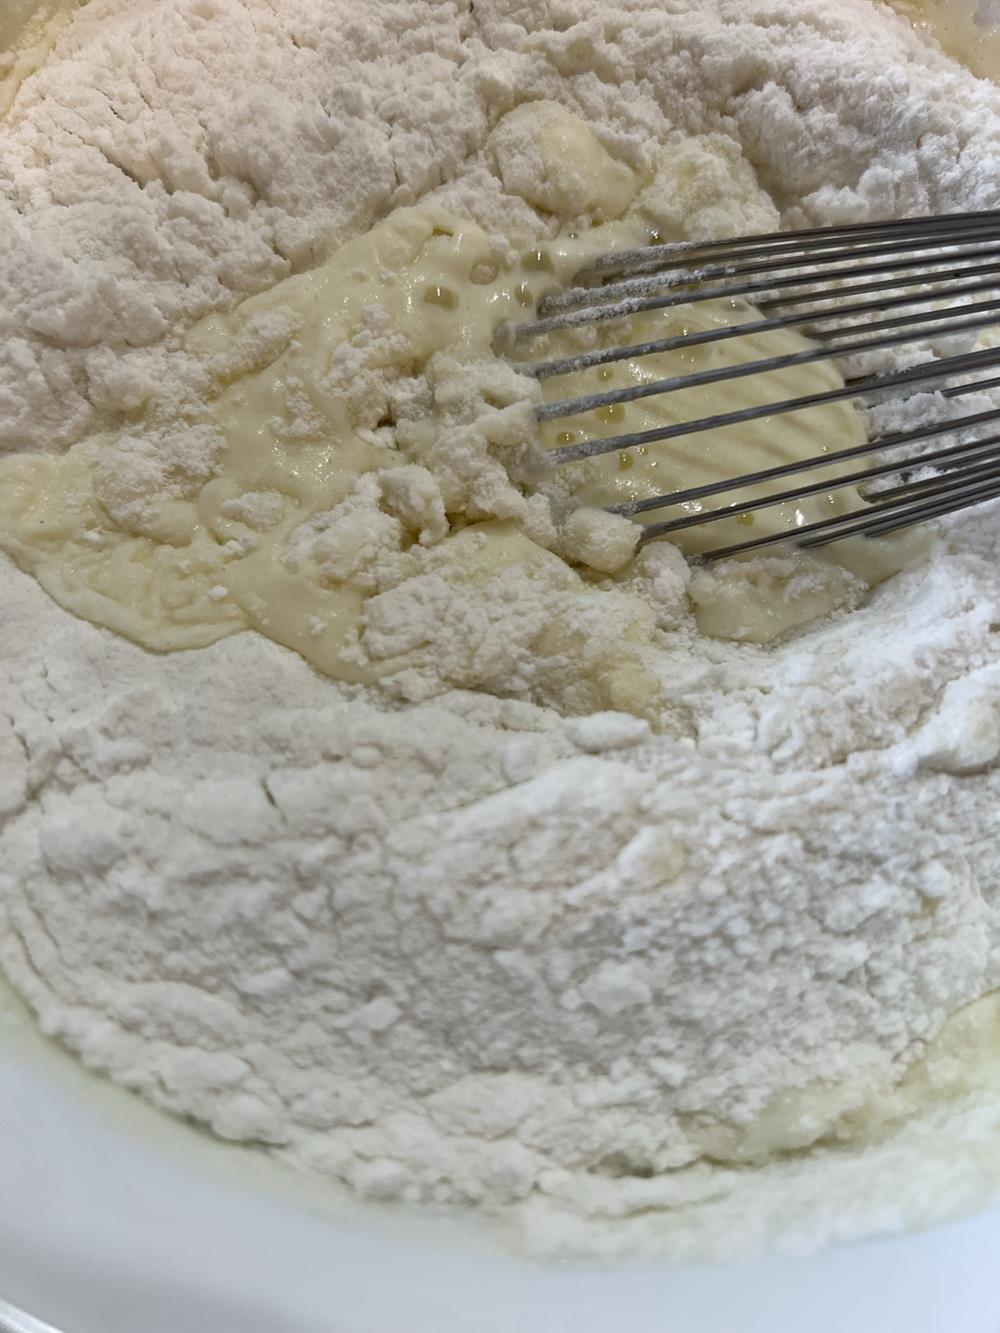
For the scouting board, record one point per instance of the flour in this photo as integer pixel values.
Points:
(445, 946)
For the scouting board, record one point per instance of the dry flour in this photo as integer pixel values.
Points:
(472, 950)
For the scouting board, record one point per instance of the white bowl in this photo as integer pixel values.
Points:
(111, 1221)
(115, 1220)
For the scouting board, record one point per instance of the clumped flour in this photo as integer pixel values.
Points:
(447, 942)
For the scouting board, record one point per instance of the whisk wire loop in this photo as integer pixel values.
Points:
(853, 290)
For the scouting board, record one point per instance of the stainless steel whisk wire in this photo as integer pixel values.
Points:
(808, 281)
(14, 1320)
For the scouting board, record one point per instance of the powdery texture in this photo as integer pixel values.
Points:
(476, 951)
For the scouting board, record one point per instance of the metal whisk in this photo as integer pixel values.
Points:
(13, 1320)
(852, 290)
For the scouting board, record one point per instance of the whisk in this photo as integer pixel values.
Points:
(13, 1320)
(852, 290)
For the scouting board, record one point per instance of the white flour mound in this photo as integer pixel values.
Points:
(474, 951)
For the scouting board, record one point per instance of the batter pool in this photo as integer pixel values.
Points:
(969, 30)
(382, 802)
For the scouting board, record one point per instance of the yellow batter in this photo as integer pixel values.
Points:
(959, 29)
(305, 490)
